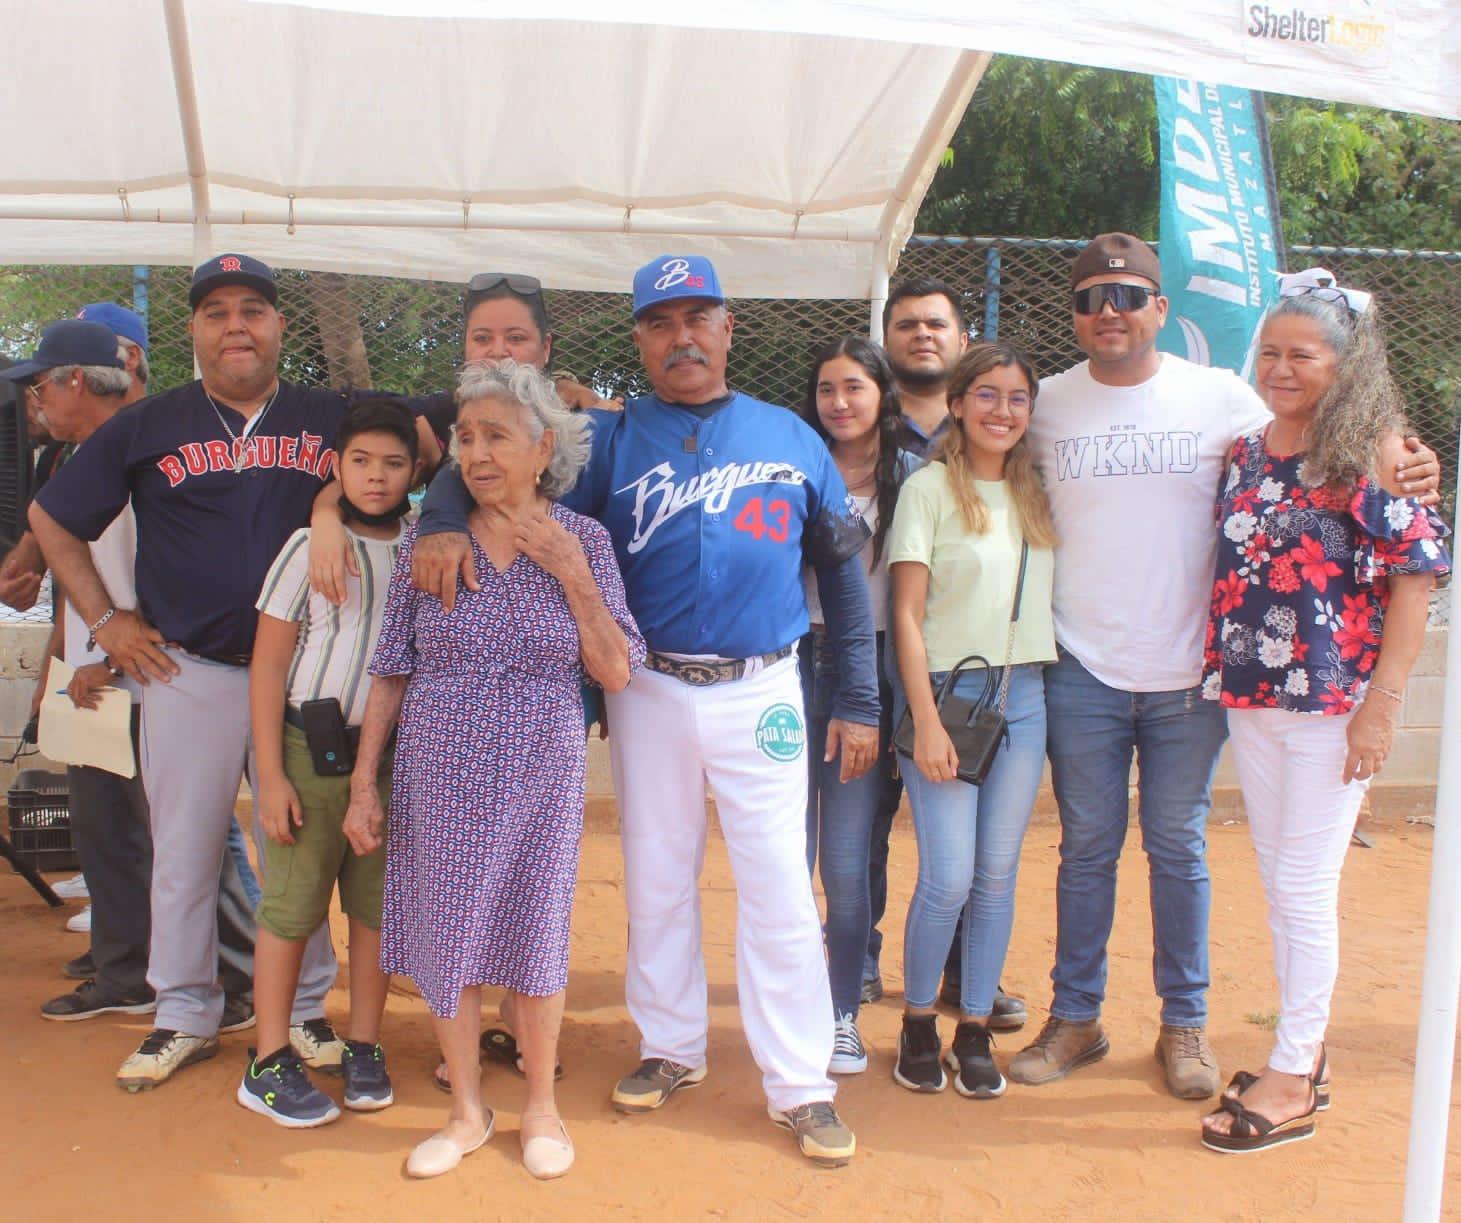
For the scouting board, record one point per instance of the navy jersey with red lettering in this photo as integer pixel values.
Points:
(213, 510)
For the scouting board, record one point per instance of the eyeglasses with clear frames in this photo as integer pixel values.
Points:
(986, 399)
(33, 389)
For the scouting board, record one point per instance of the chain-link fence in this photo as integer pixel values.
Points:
(405, 335)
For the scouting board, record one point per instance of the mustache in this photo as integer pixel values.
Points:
(690, 352)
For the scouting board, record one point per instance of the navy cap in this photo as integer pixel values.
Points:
(123, 323)
(233, 270)
(72, 341)
(674, 276)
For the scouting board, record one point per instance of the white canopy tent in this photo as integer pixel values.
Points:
(790, 140)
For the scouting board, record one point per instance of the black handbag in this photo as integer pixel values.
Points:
(977, 727)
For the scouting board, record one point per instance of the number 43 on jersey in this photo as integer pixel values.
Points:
(771, 519)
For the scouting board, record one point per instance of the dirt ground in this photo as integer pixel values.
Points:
(1106, 1143)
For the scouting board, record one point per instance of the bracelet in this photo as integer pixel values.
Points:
(100, 624)
(1383, 691)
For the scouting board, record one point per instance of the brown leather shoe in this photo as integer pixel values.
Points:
(1062, 1046)
(1191, 1065)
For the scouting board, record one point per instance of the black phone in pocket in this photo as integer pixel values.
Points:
(329, 741)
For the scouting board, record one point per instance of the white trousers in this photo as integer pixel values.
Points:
(666, 740)
(1301, 816)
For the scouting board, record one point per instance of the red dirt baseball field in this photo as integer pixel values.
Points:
(1107, 1143)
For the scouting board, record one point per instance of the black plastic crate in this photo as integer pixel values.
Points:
(40, 820)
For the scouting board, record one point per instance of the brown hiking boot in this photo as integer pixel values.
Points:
(1063, 1045)
(1191, 1065)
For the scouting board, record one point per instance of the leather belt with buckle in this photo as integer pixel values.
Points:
(703, 672)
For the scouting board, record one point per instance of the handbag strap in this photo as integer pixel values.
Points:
(1009, 645)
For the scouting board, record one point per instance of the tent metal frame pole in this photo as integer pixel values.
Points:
(1435, 1039)
(185, 84)
(877, 302)
(304, 216)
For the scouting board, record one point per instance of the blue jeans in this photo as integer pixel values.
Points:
(849, 824)
(238, 851)
(1176, 737)
(969, 840)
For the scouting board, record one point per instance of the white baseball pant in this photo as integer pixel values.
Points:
(667, 738)
(195, 746)
(1300, 815)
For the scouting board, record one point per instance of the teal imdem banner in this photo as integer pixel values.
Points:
(1219, 222)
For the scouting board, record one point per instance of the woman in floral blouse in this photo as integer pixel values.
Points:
(1318, 612)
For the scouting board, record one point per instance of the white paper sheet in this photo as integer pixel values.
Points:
(100, 737)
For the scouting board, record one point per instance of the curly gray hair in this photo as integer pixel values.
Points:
(1362, 406)
(541, 410)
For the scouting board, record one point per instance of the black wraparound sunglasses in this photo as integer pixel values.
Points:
(1123, 298)
(524, 286)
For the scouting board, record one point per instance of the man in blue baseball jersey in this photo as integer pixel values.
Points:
(714, 501)
(219, 473)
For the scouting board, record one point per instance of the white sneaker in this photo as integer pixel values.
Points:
(80, 923)
(848, 1054)
(317, 1045)
(72, 889)
(161, 1055)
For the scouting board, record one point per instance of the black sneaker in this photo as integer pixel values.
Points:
(1008, 1012)
(918, 1067)
(367, 1084)
(87, 1001)
(972, 1061)
(281, 1091)
(81, 968)
(872, 990)
(652, 1083)
(238, 1013)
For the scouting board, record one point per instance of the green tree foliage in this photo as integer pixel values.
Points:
(1050, 150)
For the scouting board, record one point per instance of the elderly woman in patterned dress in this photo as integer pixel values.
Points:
(1319, 605)
(488, 786)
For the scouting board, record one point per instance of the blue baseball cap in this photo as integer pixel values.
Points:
(233, 270)
(669, 277)
(72, 341)
(124, 324)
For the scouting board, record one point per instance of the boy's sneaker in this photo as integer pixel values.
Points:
(820, 1133)
(87, 1001)
(872, 990)
(848, 1054)
(972, 1061)
(238, 1014)
(918, 1067)
(280, 1090)
(162, 1055)
(367, 1084)
(654, 1081)
(317, 1045)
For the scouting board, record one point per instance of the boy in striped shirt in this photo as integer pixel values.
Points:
(307, 649)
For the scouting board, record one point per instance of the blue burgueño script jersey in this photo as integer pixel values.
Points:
(212, 512)
(712, 516)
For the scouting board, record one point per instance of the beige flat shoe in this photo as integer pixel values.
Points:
(547, 1157)
(439, 1154)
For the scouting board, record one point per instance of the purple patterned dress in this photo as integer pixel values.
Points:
(487, 798)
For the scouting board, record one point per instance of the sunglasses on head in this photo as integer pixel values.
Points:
(523, 286)
(1123, 298)
(1332, 294)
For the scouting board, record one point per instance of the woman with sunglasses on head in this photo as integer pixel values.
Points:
(970, 555)
(852, 403)
(1312, 520)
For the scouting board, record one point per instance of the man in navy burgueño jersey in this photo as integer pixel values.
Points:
(714, 501)
(219, 472)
